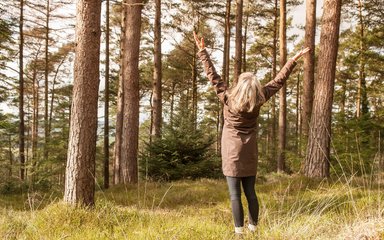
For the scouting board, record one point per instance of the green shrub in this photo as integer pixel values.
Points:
(12, 186)
(180, 155)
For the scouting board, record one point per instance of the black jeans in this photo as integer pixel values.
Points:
(237, 207)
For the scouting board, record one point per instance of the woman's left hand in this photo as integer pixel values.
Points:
(301, 53)
(199, 43)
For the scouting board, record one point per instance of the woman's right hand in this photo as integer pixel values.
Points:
(199, 43)
(300, 53)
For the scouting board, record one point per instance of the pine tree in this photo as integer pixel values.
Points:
(317, 161)
(80, 171)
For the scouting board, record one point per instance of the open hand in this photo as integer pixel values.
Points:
(199, 43)
(301, 53)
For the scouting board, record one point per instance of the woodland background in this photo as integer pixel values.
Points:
(121, 117)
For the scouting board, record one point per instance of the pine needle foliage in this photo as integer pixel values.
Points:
(181, 153)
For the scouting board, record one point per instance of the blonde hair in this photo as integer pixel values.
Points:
(247, 93)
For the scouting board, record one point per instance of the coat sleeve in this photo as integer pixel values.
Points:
(213, 77)
(273, 86)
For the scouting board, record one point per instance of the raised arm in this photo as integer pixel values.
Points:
(213, 77)
(274, 86)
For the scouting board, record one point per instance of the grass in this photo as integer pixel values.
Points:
(291, 207)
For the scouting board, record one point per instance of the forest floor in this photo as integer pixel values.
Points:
(291, 207)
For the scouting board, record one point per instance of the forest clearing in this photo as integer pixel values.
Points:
(184, 119)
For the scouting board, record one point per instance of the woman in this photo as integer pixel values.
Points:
(238, 143)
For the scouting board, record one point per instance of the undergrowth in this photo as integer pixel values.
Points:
(291, 207)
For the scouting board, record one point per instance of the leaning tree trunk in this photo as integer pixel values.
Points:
(238, 41)
(317, 159)
(130, 130)
(309, 65)
(283, 91)
(80, 171)
(157, 75)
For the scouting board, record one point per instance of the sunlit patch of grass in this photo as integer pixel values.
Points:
(291, 207)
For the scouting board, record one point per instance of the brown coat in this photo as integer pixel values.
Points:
(238, 142)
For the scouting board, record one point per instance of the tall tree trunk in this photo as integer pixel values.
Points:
(318, 150)
(225, 74)
(35, 119)
(28, 138)
(10, 156)
(117, 170)
(343, 99)
(151, 119)
(157, 75)
(53, 95)
(362, 99)
(46, 127)
(244, 62)
(381, 159)
(194, 88)
(21, 93)
(227, 42)
(283, 91)
(309, 65)
(273, 99)
(172, 104)
(130, 131)
(267, 137)
(238, 41)
(297, 125)
(80, 171)
(106, 99)
(218, 130)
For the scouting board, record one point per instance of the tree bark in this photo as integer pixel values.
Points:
(297, 125)
(172, 103)
(53, 95)
(194, 88)
(80, 171)
(309, 65)
(238, 41)
(106, 99)
(10, 156)
(120, 109)
(157, 75)
(46, 70)
(244, 62)
(317, 159)
(273, 99)
(225, 74)
(227, 41)
(130, 131)
(35, 118)
(362, 99)
(21, 93)
(283, 90)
